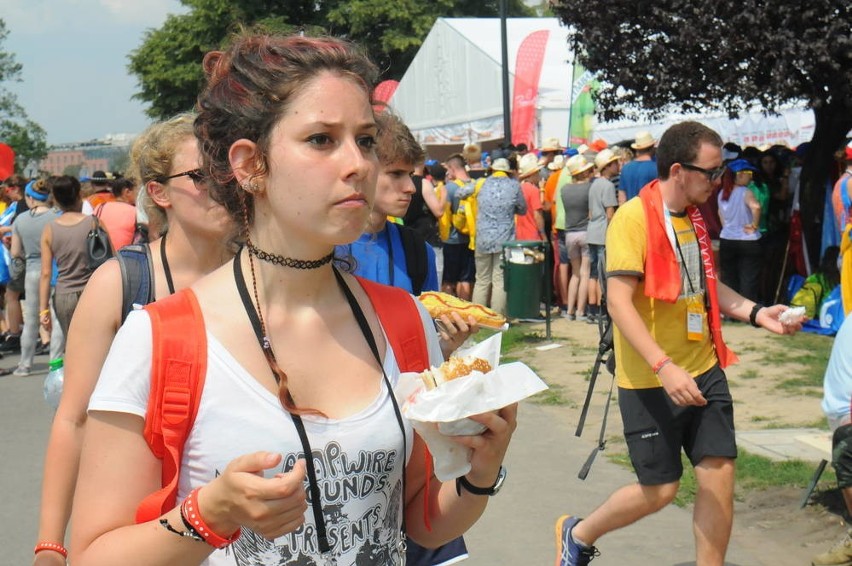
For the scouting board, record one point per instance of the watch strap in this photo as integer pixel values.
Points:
(752, 317)
(461, 482)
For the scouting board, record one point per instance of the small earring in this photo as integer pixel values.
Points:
(250, 186)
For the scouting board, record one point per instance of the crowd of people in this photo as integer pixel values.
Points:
(265, 219)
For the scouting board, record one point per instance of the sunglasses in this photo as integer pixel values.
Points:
(712, 174)
(194, 174)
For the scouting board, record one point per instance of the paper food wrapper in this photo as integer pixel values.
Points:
(449, 405)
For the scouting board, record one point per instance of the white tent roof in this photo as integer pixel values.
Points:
(790, 126)
(452, 92)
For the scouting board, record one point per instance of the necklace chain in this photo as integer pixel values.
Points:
(276, 259)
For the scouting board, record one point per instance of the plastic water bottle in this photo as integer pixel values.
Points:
(53, 383)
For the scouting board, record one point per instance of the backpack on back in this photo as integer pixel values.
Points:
(416, 261)
(179, 365)
(445, 221)
(137, 281)
(464, 217)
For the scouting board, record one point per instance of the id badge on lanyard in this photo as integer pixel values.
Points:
(695, 311)
(695, 316)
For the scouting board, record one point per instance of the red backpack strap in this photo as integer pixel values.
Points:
(401, 321)
(178, 369)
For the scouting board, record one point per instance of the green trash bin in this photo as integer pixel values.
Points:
(523, 269)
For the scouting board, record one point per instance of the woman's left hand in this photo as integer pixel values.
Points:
(489, 448)
(46, 322)
(453, 331)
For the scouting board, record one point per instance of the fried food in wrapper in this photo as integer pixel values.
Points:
(452, 402)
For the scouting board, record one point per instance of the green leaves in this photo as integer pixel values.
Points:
(168, 63)
(728, 55)
(27, 138)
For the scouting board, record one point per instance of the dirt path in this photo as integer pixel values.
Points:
(775, 385)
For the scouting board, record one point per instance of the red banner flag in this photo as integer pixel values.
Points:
(527, 74)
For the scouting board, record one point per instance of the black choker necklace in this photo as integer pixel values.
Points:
(288, 261)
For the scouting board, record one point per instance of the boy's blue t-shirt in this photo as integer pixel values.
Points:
(636, 175)
(380, 257)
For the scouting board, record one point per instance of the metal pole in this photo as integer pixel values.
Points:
(571, 93)
(507, 113)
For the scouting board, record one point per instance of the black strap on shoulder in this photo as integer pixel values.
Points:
(416, 262)
(137, 277)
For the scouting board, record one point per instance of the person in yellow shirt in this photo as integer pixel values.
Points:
(665, 301)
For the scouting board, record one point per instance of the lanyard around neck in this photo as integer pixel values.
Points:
(265, 344)
(166, 269)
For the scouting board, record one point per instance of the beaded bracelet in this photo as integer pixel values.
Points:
(664, 361)
(190, 513)
(54, 546)
(189, 533)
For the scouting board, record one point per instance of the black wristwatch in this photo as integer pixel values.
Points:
(752, 318)
(461, 482)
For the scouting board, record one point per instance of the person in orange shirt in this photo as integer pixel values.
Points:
(530, 226)
(101, 191)
(550, 210)
(119, 216)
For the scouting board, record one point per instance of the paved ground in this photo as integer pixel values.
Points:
(517, 529)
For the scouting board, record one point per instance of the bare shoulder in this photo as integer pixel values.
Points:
(103, 294)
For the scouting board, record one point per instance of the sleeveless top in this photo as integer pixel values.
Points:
(735, 216)
(68, 245)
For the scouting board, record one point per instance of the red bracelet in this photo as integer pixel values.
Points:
(190, 511)
(54, 546)
(661, 364)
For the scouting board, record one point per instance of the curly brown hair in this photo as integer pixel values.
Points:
(249, 87)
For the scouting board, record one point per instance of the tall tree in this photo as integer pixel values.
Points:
(26, 137)
(168, 63)
(730, 55)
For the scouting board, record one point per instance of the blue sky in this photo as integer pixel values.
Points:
(74, 55)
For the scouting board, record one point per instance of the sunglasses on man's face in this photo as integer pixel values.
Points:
(194, 174)
(711, 174)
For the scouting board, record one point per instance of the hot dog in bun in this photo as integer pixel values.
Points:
(442, 303)
(453, 368)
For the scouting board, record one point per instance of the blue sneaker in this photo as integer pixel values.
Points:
(568, 552)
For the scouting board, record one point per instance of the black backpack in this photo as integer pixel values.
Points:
(416, 261)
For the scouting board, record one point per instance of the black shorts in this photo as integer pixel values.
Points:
(841, 455)
(459, 265)
(656, 429)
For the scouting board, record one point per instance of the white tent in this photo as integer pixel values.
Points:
(790, 127)
(452, 92)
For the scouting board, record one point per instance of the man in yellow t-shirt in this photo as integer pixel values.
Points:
(665, 302)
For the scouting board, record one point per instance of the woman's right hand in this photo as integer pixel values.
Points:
(242, 497)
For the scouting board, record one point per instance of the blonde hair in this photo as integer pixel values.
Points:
(472, 153)
(152, 156)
